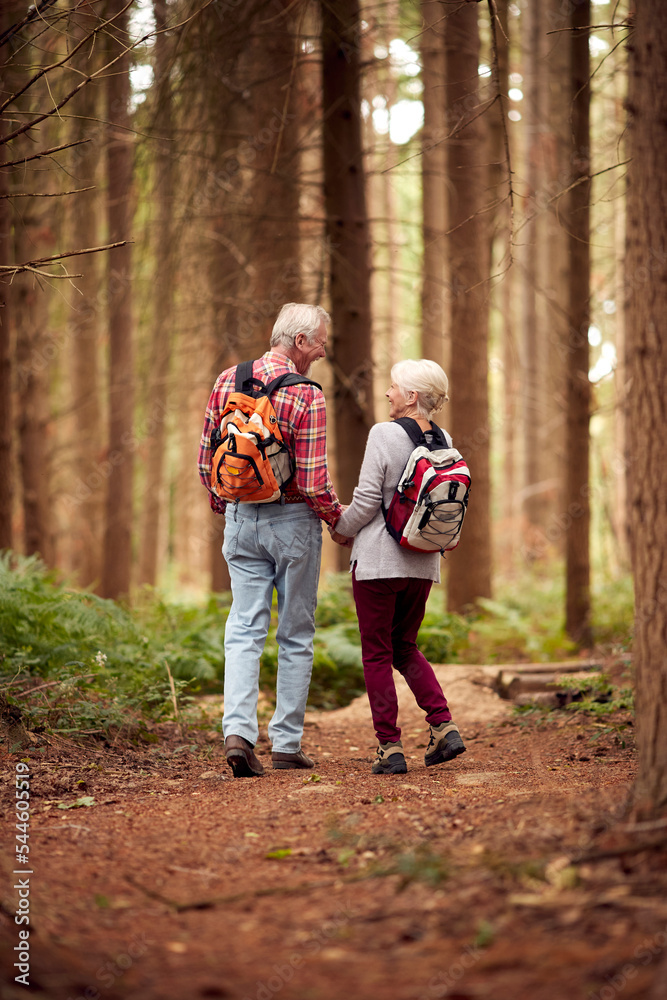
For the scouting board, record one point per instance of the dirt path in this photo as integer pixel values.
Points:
(180, 882)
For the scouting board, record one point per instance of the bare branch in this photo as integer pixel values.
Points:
(44, 194)
(44, 152)
(590, 27)
(31, 264)
(32, 14)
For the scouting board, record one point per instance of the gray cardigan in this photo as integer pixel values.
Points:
(377, 555)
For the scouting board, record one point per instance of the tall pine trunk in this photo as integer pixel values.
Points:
(500, 237)
(646, 281)
(85, 505)
(34, 237)
(239, 65)
(556, 178)
(117, 559)
(467, 177)
(154, 500)
(347, 230)
(30, 308)
(435, 340)
(577, 523)
(620, 465)
(274, 185)
(6, 338)
(532, 235)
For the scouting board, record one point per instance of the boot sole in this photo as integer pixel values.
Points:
(450, 751)
(282, 765)
(399, 768)
(240, 765)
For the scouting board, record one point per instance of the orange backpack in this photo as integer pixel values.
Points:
(251, 462)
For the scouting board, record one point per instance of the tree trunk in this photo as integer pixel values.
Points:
(6, 339)
(500, 244)
(154, 501)
(556, 178)
(272, 220)
(620, 465)
(646, 283)
(532, 234)
(467, 175)
(34, 237)
(347, 230)
(379, 81)
(220, 67)
(435, 336)
(85, 503)
(117, 561)
(389, 157)
(6, 407)
(577, 518)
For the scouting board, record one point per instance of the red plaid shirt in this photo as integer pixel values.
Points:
(302, 418)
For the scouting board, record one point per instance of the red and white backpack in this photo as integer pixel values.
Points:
(428, 506)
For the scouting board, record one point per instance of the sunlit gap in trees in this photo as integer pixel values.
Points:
(142, 22)
(403, 119)
(606, 361)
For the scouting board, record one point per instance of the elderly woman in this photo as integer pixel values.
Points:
(390, 583)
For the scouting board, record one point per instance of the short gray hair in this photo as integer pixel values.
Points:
(294, 318)
(425, 378)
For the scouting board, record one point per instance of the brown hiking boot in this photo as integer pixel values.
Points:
(285, 761)
(241, 759)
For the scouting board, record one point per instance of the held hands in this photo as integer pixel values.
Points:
(343, 540)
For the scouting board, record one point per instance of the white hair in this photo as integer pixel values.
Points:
(425, 378)
(294, 318)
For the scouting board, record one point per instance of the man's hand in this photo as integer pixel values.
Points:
(343, 540)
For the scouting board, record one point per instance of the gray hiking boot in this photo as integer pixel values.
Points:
(390, 759)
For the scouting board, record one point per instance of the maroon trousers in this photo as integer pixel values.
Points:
(390, 613)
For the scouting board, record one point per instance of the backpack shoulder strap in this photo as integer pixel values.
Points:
(412, 429)
(440, 438)
(289, 378)
(243, 375)
(244, 381)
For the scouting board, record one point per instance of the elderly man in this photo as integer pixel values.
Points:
(276, 545)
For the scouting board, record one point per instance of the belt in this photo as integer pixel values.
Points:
(290, 498)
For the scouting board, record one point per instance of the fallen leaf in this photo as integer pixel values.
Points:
(85, 800)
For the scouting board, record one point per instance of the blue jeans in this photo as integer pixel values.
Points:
(267, 546)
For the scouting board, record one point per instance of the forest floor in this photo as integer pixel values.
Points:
(511, 873)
